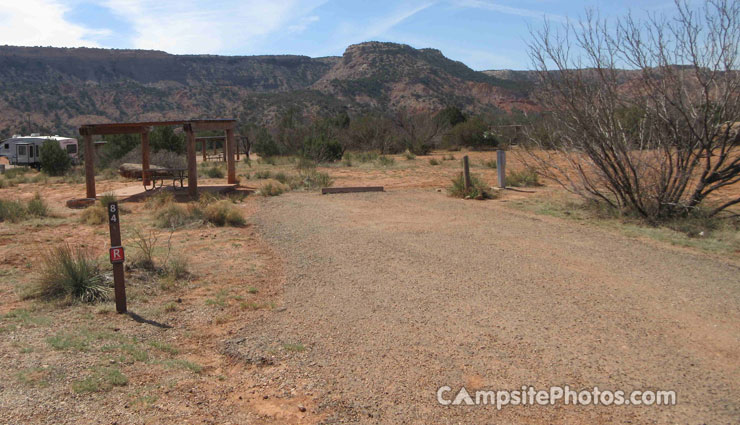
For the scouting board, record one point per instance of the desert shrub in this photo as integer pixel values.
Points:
(265, 145)
(364, 157)
(177, 268)
(107, 199)
(316, 179)
(281, 177)
(12, 211)
(237, 196)
(74, 176)
(224, 213)
(94, 215)
(37, 207)
(270, 160)
(346, 161)
(215, 172)
(449, 157)
(146, 244)
(478, 189)
(172, 216)
(525, 178)
(160, 199)
(265, 174)
(386, 161)
(490, 163)
(71, 274)
(666, 144)
(41, 177)
(54, 159)
(164, 138)
(3, 182)
(14, 173)
(272, 189)
(471, 133)
(305, 164)
(320, 148)
(207, 198)
(409, 156)
(434, 161)
(16, 211)
(109, 174)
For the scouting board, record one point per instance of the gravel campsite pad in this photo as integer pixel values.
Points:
(389, 296)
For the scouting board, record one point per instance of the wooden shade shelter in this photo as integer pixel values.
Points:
(143, 128)
(214, 142)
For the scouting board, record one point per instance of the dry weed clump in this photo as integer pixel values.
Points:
(525, 178)
(16, 211)
(94, 215)
(223, 213)
(273, 189)
(477, 190)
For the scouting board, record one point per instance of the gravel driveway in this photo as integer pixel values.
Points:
(396, 294)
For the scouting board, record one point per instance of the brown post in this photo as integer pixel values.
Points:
(203, 148)
(466, 172)
(117, 257)
(145, 157)
(192, 165)
(230, 163)
(89, 166)
(237, 151)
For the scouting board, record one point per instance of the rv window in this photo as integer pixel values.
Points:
(22, 150)
(71, 149)
(7, 146)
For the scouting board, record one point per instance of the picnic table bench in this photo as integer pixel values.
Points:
(216, 157)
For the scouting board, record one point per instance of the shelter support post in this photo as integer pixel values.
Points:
(230, 150)
(145, 157)
(192, 165)
(89, 166)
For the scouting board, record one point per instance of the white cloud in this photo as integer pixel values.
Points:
(41, 23)
(509, 10)
(202, 26)
(303, 24)
(352, 32)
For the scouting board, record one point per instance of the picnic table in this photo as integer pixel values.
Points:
(161, 174)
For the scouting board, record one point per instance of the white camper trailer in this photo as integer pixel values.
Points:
(26, 150)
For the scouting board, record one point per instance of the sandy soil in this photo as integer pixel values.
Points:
(396, 294)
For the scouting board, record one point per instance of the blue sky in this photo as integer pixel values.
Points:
(481, 33)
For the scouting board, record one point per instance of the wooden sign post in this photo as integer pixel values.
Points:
(117, 257)
(501, 166)
(466, 173)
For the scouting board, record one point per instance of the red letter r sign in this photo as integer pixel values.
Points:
(116, 255)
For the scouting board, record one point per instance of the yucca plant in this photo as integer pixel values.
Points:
(72, 274)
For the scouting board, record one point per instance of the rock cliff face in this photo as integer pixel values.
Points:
(56, 89)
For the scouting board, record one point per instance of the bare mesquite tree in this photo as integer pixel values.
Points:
(419, 132)
(642, 114)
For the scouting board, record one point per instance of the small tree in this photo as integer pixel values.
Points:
(264, 144)
(640, 113)
(54, 160)
(418, 131)
(370, 132)
(472, 133)
(165, 138)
